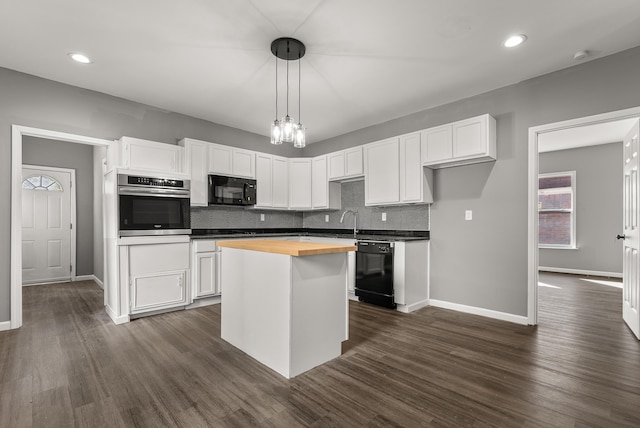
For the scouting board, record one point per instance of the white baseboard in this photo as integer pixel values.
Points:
(198, 303)
(116, 319)
(517, 319)
(581, 272)
(412, 307)
(5, 325)
(90, 278)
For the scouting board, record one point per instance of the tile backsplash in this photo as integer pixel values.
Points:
(404, 217)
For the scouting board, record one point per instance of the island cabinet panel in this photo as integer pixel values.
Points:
(293, 316)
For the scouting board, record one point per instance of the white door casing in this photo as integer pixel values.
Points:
(48, 215)
(631, 238)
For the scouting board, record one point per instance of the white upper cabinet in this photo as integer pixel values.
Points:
(394, 173)
(415, 180)
(145, 155)
(460, 143)
(272, 176)
(324, 194)
(382, 172)
(196, 166)
(345, 164)
(225, 160)
(300, 183)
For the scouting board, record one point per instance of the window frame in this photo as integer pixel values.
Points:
(573, 242)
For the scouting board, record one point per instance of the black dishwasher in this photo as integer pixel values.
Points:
(374, 273)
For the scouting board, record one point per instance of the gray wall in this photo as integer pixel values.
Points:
(480, 263)
(43, 152)
(406, 217)
(598, 207)
(483, 262)
(31, 101)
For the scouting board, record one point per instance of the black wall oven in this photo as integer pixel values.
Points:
(153, 206)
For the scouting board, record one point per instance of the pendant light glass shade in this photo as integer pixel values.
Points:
(299, 139)
(288, 129)
(276, 132)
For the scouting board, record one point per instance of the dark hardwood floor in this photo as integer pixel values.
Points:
(70, 366)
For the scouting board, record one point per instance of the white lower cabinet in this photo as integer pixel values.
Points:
(157, 275)
(205, 269)
(411, 275)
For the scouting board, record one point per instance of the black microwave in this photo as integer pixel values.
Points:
(225, 190)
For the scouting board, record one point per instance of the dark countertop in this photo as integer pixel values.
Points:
(362, 235)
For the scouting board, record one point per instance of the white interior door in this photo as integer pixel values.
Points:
(46, 225)
(631, 239)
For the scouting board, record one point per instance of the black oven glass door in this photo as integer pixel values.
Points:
(153, 213)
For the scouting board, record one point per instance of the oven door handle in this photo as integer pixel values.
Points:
(163, 193)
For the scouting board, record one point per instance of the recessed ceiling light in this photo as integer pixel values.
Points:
(78, 57)
(514, 41)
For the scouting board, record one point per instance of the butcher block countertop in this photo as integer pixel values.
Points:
(290, 248)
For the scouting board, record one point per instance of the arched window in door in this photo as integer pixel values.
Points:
(41, 182)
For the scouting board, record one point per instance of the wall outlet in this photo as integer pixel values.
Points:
(468, 215)
(261, 217)
(384, 216)
(326, 218)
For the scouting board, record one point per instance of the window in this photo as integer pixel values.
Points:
(556, 210)
(41, 182)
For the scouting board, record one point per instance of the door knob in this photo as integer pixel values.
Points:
(620, 236)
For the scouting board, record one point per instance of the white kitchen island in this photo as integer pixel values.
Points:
(284, 303)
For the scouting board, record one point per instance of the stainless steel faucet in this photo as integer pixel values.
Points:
(355, 220)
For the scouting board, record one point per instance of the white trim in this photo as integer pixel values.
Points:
(90, 278)
(199, 303)
(72, 213)
(413, 307)
(116, 319)
(581, 272)
(17, 132)
(532, 222)
(503, 316)
(5, 325)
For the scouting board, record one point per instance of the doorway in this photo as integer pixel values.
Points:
(17, 134)
(48, 219)
(536, 136)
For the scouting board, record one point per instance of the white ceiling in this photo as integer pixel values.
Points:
(368, 61)
(588, 135)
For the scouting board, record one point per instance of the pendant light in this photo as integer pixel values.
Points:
(287, 130)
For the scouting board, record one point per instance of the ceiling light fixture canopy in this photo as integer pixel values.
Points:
(287, 130)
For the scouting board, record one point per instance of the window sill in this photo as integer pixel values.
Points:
(551, 247)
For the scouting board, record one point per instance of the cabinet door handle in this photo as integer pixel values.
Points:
(179, 281)
(620, 237)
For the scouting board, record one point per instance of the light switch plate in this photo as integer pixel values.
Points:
(261, 217)
(468, 215)
(326, 218)
(384, 216)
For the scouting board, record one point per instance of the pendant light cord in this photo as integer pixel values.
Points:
(276, 55)
(299, 86)
(287, 78)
